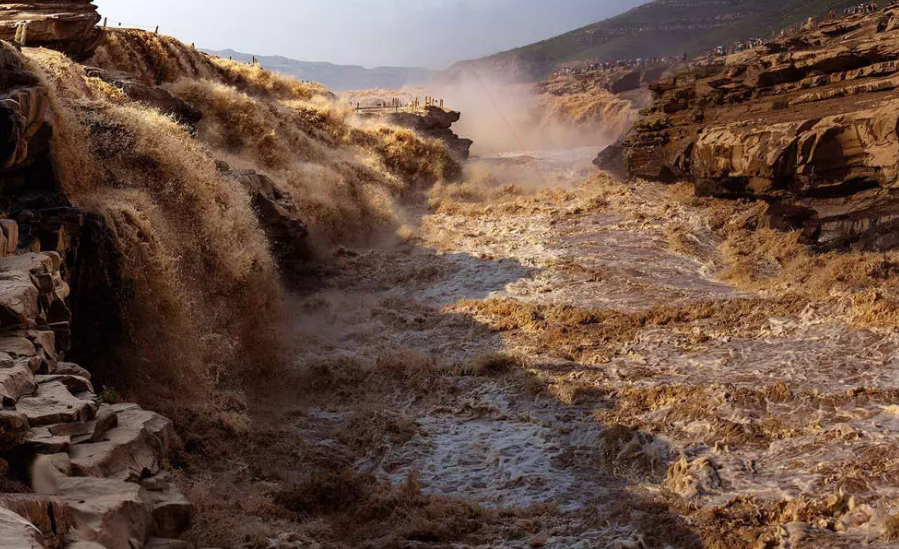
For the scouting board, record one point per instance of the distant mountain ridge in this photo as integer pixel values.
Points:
(338, 78)
(657, 29)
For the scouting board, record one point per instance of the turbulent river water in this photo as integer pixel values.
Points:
(762, 425)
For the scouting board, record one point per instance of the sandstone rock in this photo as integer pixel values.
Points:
(53, 403)
(69, 368)
(106, 511)
(436, 123)
(802, 122)
(26, 134)
(133, 449)
(11, 232)
(65, 25)
(13, 429)
(75, 384)
(18, 533)
(46, 514)
(41, 441)
(15, 383)
(107, 419)
(18, 299)
(172, 512)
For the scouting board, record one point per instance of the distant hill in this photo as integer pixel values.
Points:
(657, 29)
(338, 77)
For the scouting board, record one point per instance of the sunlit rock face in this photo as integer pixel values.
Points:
(66, 25)
(806, 123)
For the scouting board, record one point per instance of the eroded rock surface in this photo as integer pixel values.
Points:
(434, 122)
(66, 25)
(808, 122)
(92, 462)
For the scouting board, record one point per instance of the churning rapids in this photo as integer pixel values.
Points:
(548, 340)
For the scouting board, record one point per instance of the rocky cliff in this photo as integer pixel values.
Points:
(807, 123)
(432, 121)
(659, 28)
(128, 244)
(66, 25)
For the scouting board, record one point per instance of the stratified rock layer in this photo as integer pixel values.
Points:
(434, 122)
(66, 25)
(807, 123)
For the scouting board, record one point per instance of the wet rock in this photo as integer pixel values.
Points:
(152, 96)
(435, 122)
(277, 214)
(693, 479)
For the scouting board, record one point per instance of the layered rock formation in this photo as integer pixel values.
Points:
(807, 123)
(433, 122)
(65, 25)
(82, 470)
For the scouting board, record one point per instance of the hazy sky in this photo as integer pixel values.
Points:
(430, 33)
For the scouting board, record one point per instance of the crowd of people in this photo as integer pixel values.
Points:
(621, 63)
(719, 51)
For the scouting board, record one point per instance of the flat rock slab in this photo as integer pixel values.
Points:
(131, 450)
(106, 511)
(75, 384)
(53, 403)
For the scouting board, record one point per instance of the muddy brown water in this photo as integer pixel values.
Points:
(798, 413)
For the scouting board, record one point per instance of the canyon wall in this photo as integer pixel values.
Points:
(807, 123)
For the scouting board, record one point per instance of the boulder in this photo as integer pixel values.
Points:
(15, 383)
(135, 448)
(75, 384)
(53, 403)
(172, 512)
(106, 511)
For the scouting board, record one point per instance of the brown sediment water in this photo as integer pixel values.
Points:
(649, 403)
